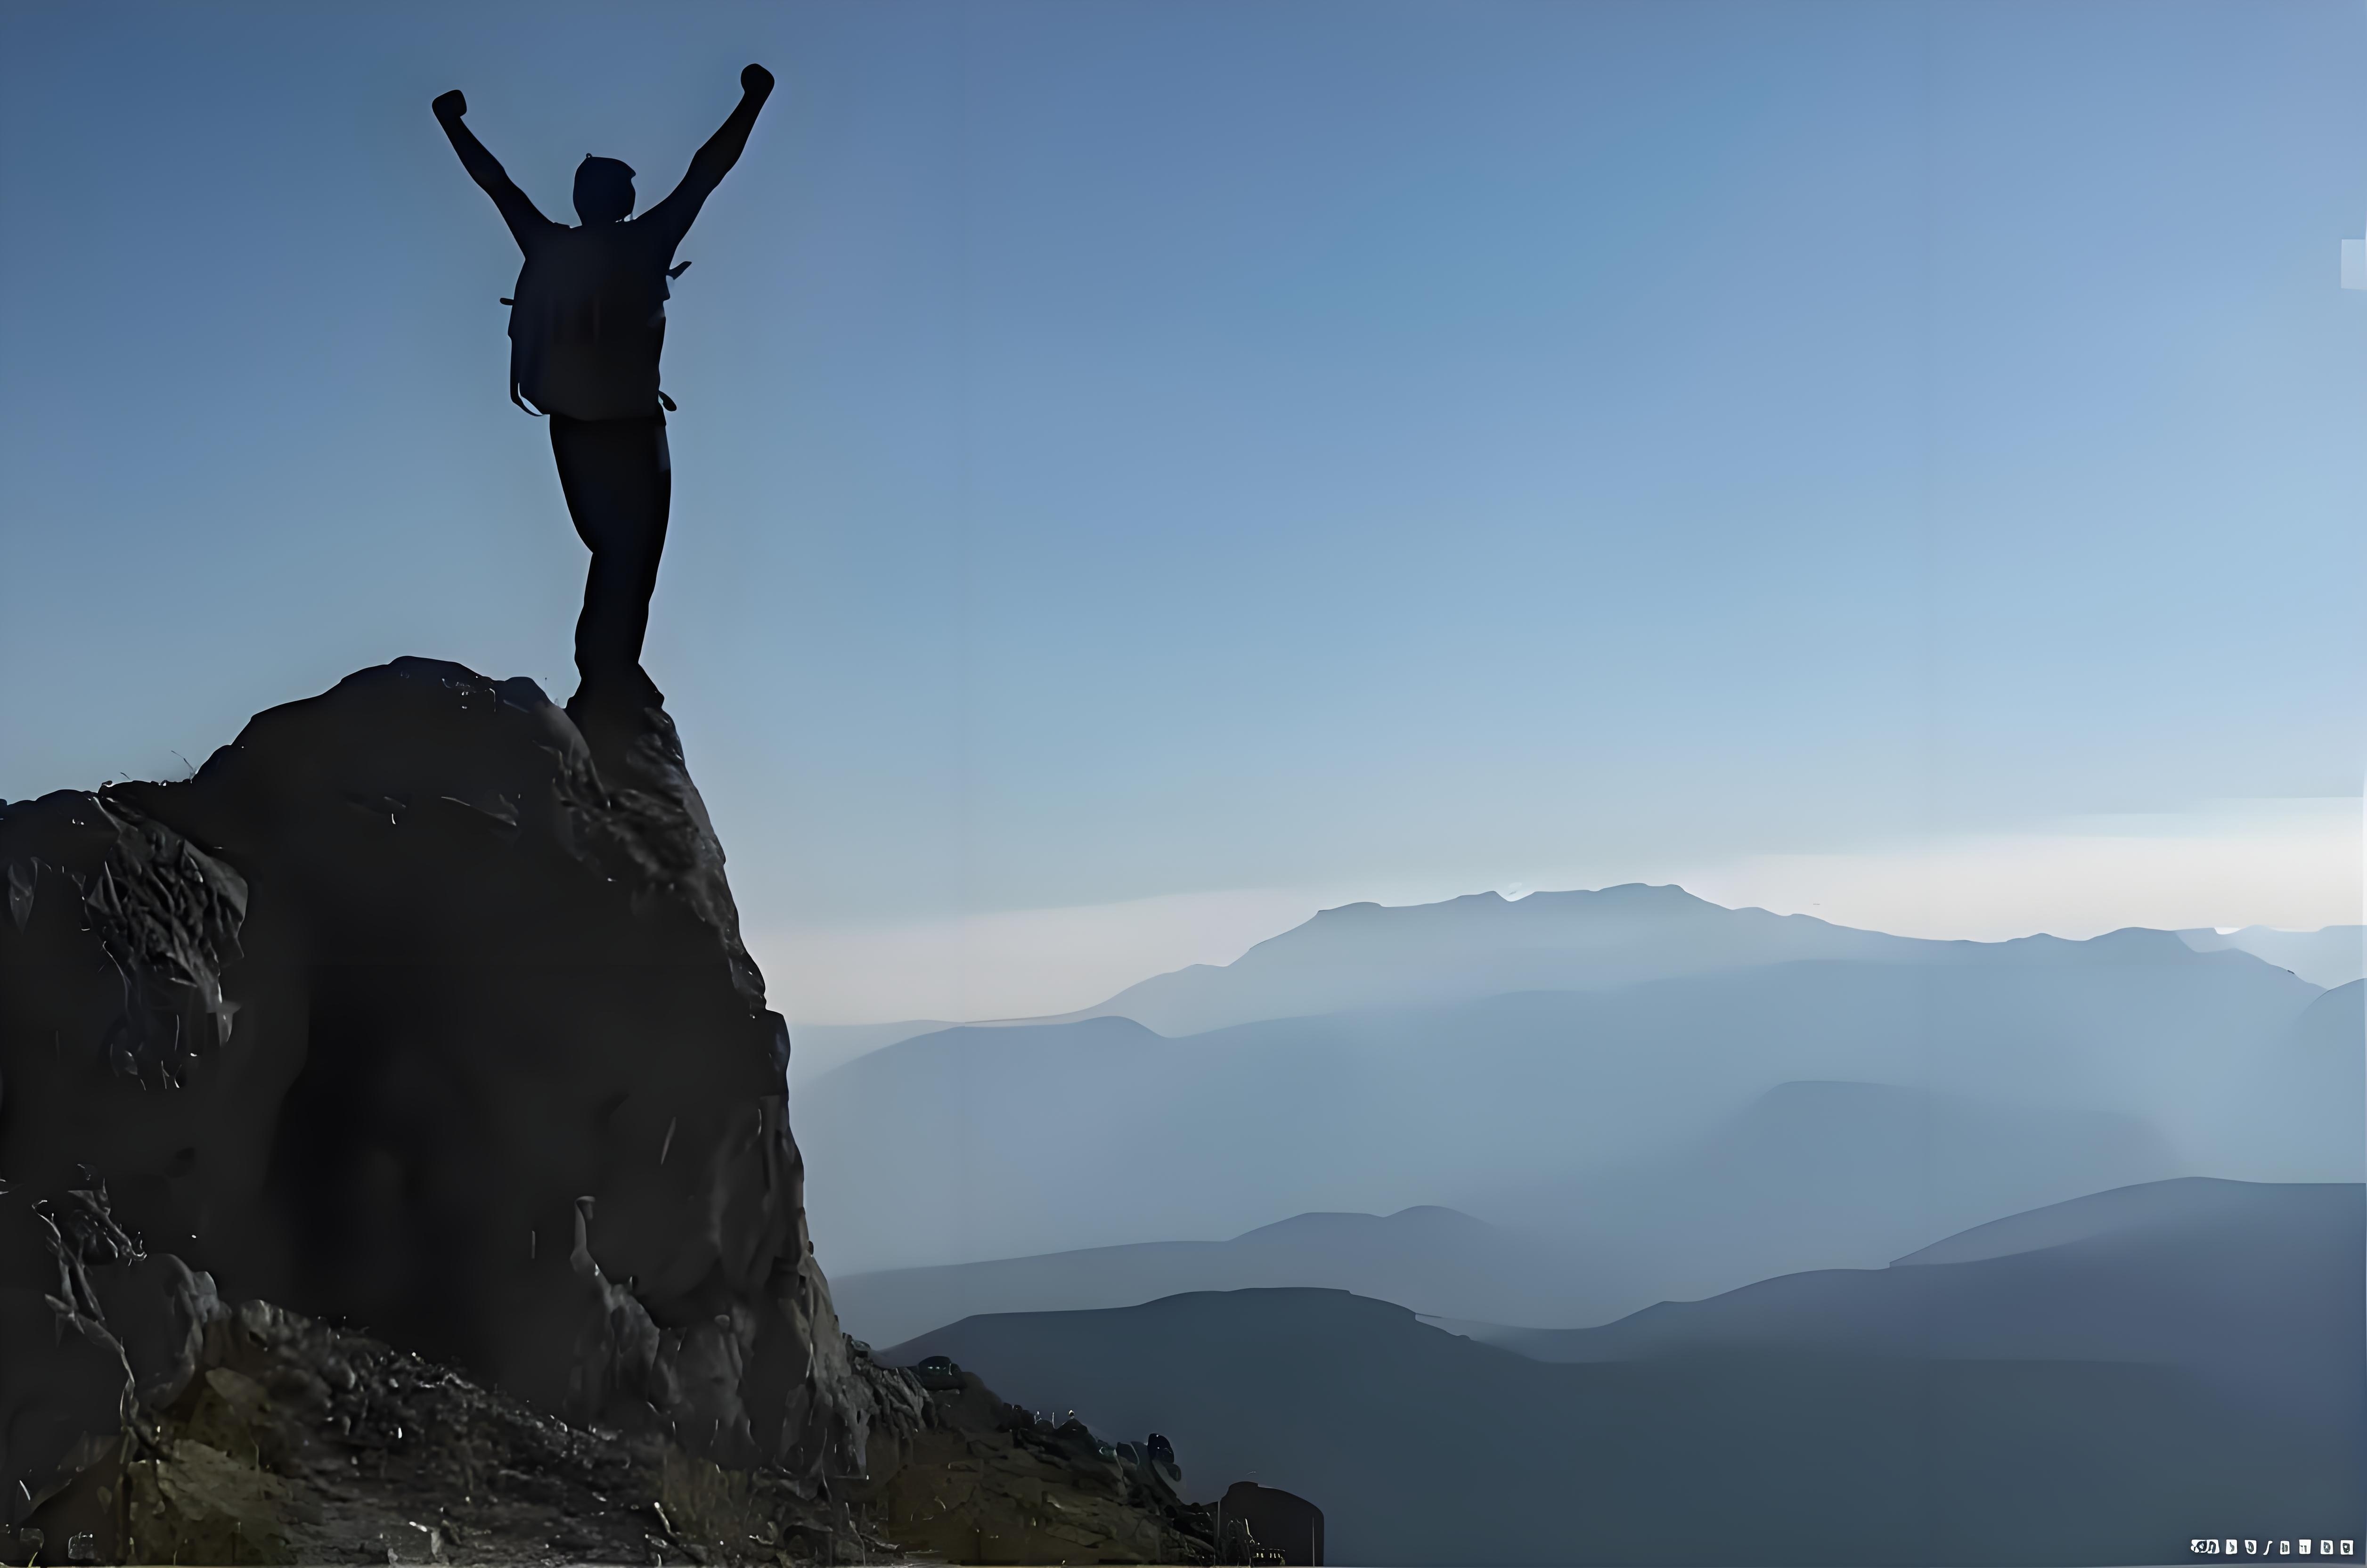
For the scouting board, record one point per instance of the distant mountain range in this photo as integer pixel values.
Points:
(1370, 955)
(2097, 1382)
(1809, 1175)
(1044, 1138)
(2334, 955)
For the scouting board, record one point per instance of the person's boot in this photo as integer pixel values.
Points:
(614, 710)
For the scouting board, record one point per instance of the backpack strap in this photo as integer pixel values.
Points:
(536, 413)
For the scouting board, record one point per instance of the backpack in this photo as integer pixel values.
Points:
(587, 325)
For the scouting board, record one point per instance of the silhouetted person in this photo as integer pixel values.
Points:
(585, 331)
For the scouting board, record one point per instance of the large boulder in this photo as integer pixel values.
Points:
(410, 1013)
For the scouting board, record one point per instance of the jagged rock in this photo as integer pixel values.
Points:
(295, 1442)
(985, 1481)
(292, 1441)
(411, 1013)
(90, 1327)
(406, 1011)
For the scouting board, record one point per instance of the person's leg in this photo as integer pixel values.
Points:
(618, 482)
(636, 558)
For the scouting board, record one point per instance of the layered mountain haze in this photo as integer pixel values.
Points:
(1808, 1175)
(1790, 1243)
(1435, 1260)
(1049, 1137)
(2299, 1111)
(2173, 1273)
(2312, 1217)
(1818, 1174)
(2098, 1382)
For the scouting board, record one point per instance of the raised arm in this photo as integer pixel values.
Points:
(712, 162)
(517, 212)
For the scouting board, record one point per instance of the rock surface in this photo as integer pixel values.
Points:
(290, 1441)
(407, 1012)
(989, 1482)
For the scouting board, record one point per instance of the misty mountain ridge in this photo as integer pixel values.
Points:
(1821, 1174)
(2334, 955)
(2094, 1384)
(2147, 1210)
(2255, 1288)
(2193, 1353)
(1370, 955)
(1808, 1175)
(1441, 1260)
(1380, 1109)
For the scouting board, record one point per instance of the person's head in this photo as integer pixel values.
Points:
(604, 190)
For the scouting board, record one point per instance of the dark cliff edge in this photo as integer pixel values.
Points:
(409, 1034)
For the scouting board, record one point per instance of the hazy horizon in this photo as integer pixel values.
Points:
(1204, 930)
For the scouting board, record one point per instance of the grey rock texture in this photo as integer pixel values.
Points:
(409, 1012)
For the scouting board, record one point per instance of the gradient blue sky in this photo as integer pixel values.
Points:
(1224, 452)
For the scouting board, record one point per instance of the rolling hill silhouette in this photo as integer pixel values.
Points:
(2253, 1288)
(1436, 1260)
(1809, 1175)
(2190, 1358)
